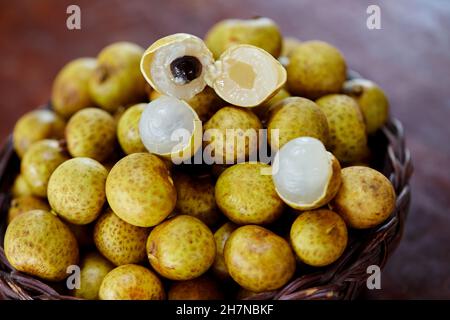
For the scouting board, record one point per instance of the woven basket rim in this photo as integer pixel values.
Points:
(341, 280)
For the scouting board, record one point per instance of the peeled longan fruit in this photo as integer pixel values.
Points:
(120, 242)
(34, 126)
(39, 162)
(131, 282)
(297, 117)
(348, 137)
(365, 199)
(140, 190)
(70, 92)
(94, 268)
(24, 204)
(246, 194)
(170, 128)
(39, 244)
(315, 69)
(221, 236)
(260, 32)
(195, 197)
(181, 248)
(306, 176)
(372, 101)
(76, 190)
(319, 237)
(201, 288)
(231, 135)
(91, 133)
(258, 259)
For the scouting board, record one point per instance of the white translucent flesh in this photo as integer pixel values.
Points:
(161, 119)
(162, 76)
(304, 169)
(255, 65)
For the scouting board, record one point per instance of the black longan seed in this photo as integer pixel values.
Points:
(185, 69)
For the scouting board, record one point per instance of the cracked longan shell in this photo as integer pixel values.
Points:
(258, 259)
(366, 197)
(40, 244)
(181, 248)
(247, 196)
(120, 242)
(131, 282)
(319, 237)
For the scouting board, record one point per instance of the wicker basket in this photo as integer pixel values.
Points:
(341, 280)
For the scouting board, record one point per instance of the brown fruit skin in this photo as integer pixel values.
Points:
(120, 242)
(140, 190)
(39, 244)
(181, 248)
(70, 92)
(246, 196)
(366, 197)
(315, 69)
(258, 259)
(20, 187)
(39, 162)
(372, 101)
(201, 288)
(94, 268)
(34, 126)
(76, 190)
(91, 133)
(128, 129)
(230, 118)
(297, 117)
(24, 204)
(221, 236)
(117, 80)
(319, 237)
(195, 197)
(131, 282)
(348, 137)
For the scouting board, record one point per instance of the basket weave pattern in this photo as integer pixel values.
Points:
(341, 280)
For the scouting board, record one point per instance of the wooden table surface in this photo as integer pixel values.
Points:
(409, 57)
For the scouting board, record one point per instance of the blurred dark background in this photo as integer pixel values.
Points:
(409, 57)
